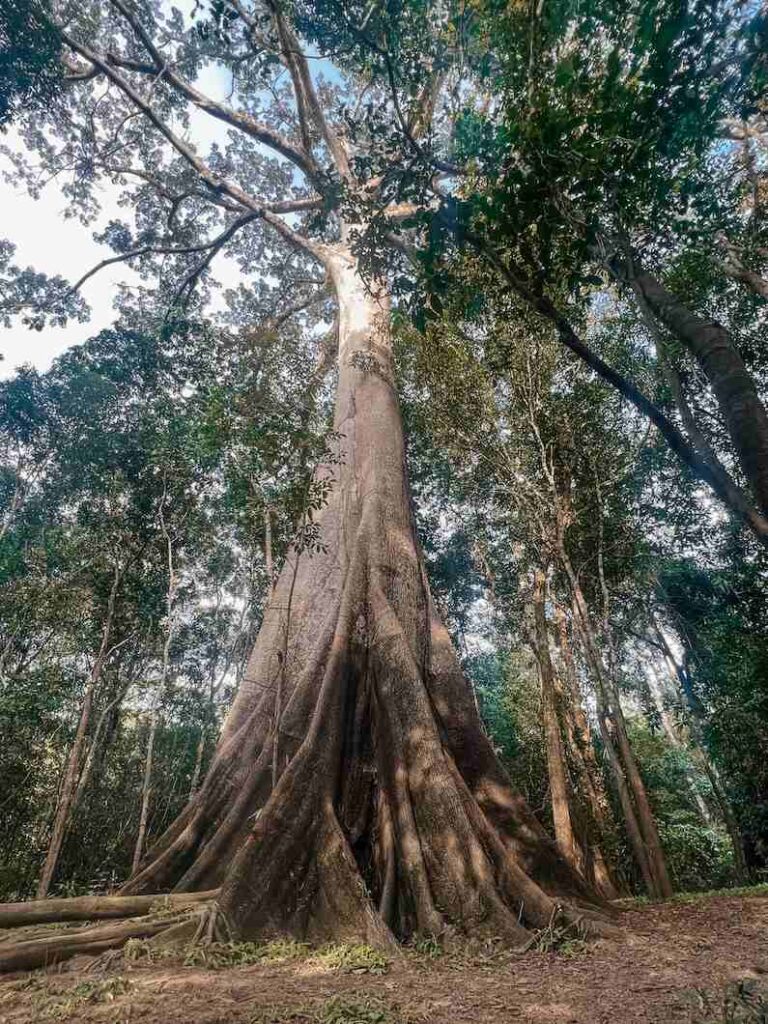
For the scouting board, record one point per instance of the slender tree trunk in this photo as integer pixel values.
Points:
(636, 840)
(268, 560)
(170, 611)
(72, 770)
(146, 791)
(675, 740)
(613, 724)
(391, 814)
(697, 725)
(645, 816)
(558, 777)
(582, 753)
(733, 265)
(199, 751)
(215, 685)
(94, 748)
(634, 833)
(714, 350)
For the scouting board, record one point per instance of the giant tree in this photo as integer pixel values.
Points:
(353, 791)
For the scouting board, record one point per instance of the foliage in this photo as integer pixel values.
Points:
(699, 854)
(128, 424)
(564, 137)
(337, 1010)
(29, 50)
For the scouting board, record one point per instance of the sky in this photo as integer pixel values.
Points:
(48, 241)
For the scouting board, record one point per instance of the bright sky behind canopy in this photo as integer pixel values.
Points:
(52, 244)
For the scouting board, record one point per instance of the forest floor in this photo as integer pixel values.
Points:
(701, 959)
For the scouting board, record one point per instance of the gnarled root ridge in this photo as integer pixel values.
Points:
(354, 795)
(31, 934)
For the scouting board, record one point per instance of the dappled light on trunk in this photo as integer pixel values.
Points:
(354, 792)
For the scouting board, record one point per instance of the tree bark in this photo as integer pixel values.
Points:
(72, 770)
(390, 814)
(698, 723)
(614, 734)
(677, 742)
(91, 908)
(582, 753)
(558, 777)
(170, 611)
(44, 952)
(714, 350)
(146, 791)
(268, 559)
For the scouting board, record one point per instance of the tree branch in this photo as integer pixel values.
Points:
(307, 101)
(216, 184)
(674, 438)
(247, 124)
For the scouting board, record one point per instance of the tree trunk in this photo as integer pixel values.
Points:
(636, 840)
(146, 792)
(170, 611)
(268, 559)
(737, 271)
(558, 777)
(713, 348)
(582, 753)
(698, 721)
(199, 751)
(613, 728)
(675, 740)
(390, 814)
(72, 770)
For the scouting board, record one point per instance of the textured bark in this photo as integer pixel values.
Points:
(33, 953)
(714, 350)
(91, 908)
(154, 718)
(269, 564)
(737, 271)
(637, 811)
(146, 790)
(366, 802)
(675, 740)
(588, 773)
(199, 751)
(698, 723)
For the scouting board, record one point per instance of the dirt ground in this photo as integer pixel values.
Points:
(704, 962)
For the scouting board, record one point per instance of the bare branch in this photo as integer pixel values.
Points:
(307, 101)
(218, 185)
(247, 124)
(212, 180)
(190, 280)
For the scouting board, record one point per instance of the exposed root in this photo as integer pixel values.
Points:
(213, 926)
(94, 908)
(34, 953)
(38, 945)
